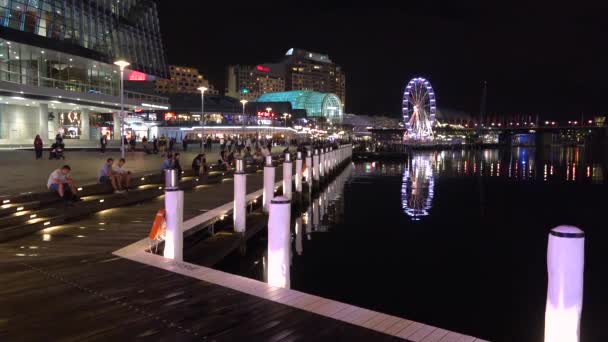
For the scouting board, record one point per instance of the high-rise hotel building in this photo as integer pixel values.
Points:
(56, 65)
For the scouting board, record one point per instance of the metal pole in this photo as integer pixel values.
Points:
(202, 121)
(122, 113)
(240, 205)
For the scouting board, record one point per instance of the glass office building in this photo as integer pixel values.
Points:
(56, 65)
(316, 104)
(109, 29)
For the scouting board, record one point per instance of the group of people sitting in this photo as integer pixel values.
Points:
(61, 182)
(119, 178)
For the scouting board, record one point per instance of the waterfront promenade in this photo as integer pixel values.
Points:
(22, 172)
(64, 283)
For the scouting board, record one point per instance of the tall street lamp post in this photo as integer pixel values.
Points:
(244, 102)
(269, 110)
(202, 120)
(122, 64)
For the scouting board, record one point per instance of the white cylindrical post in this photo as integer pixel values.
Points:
(299, 172)
(315, 166)
(240, 189)
(268, 194)
(279, 242)
(174, 217)
(565, 264)
(308, 173)
(287, 176)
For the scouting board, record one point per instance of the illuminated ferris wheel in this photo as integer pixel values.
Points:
(419, 109)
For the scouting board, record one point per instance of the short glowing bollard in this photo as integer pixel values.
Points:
(174, 207)
(565, 266)
(299, 172)
(287, 176)
(308, 174)
(240, 204)
(268, 194)
(279, 242)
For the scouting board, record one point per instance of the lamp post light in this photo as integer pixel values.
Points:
(202, 120)
(122, 64)
(269, 109)
(285, 117)
(244, 102)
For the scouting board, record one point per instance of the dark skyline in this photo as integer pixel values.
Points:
(535, 60)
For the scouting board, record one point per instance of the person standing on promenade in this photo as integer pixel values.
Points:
(38, 146)
(103, 142)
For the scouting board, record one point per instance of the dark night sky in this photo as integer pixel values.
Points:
(536, 60)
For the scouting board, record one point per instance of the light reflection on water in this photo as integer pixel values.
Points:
(331, 243)
(568, 164)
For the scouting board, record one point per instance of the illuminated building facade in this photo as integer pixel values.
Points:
(248, 82)
(316, 105)
(56, 66)
(185, 80)
(305, 70)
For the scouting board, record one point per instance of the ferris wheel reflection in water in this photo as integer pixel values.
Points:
(417, 188)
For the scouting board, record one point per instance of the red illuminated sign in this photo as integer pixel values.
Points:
(169, 116)
(136, 76)
(262, 68)
(266, 114)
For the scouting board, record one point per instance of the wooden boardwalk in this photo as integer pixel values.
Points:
(64, 283)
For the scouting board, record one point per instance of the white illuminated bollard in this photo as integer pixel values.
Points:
(299, 233)
(174, 211)
(565, 267)
(308, 173)
(268, 194)
(240, 190)
(315, 166)
(287, 176)
(299, 172)
(279, 242)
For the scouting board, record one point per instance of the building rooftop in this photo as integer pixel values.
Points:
(316, 104)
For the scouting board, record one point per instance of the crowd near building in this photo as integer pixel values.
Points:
(58, 76)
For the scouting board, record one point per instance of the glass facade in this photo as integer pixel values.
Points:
(112, 28)
(25, 64)
(316, 104)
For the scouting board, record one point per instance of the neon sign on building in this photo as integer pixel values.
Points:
(136, 76)
(262, 68)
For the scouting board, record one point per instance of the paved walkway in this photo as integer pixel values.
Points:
(22, 172)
